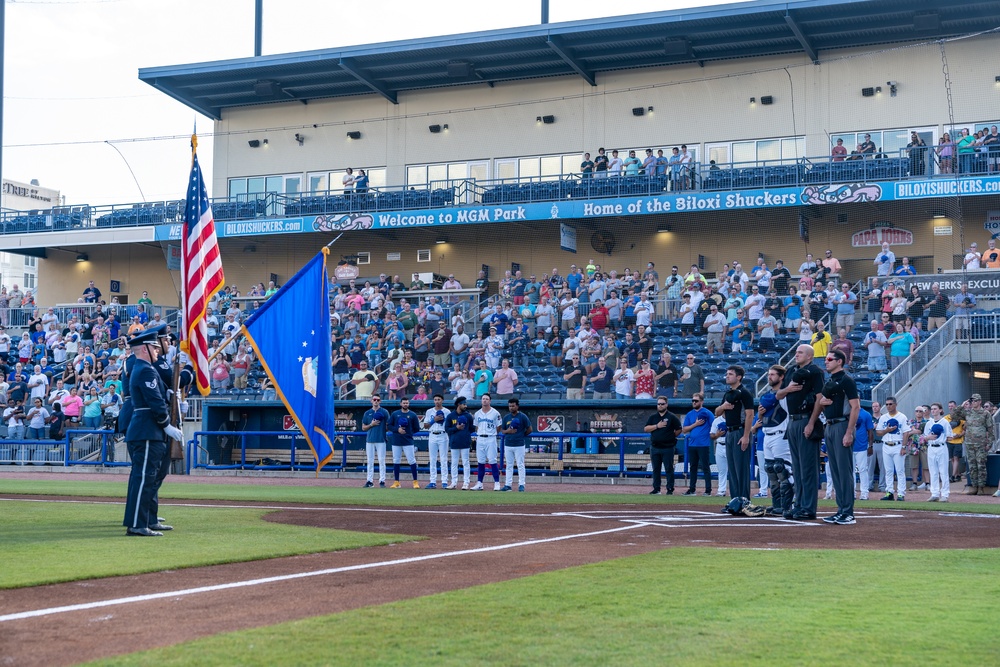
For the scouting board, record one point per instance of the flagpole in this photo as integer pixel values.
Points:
(223, 344)
(334, 240)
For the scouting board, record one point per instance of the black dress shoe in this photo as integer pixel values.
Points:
(142, 532)
(654, 492)
(802, 515)
(689, 492)
(160, 526)
(670, 492)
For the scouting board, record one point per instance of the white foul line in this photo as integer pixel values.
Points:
(299, 575)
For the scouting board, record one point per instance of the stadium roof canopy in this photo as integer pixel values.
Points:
(581, 48)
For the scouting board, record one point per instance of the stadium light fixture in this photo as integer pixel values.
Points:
(663, 228)
(299, 138)
(82, 257)
(254, 143)
(441, 240)
(434, 128)
(753, 100)
(354, 135)
(638, 111)
(997, 79)
(937, 214)
(548, 120)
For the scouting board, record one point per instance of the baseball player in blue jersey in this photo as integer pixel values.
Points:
(459, 425)
(373, 424)
(437, 441)
(516, 428)
(403, 425)
(862, 448)
(487, 421)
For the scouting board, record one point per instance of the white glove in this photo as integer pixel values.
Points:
(174, 433)
(184, 407)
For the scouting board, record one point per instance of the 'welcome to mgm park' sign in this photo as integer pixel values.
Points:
(573, 209)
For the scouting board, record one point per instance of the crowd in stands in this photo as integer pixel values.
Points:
(63, 373)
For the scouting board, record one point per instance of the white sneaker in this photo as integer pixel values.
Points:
(465, 487)
(478, 486)
(922, 487)
(496, 486)
(864, 497)
(828, 496)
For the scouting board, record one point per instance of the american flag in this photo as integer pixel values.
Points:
(201, 271)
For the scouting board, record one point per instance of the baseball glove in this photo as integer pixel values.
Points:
(749, 509)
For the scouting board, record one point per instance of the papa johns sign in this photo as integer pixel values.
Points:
(868, 238)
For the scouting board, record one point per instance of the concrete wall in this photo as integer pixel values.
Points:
(138, 267)
(693, 104)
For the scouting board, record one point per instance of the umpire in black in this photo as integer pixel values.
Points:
(147, 432)
(737, 406)
(841, 405)
(802, 388)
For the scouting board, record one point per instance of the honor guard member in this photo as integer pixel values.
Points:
(437, 441)
(166, 372)
(802, 387)
(737, 407)
(773, 414)
(148, 430)
(841, 404)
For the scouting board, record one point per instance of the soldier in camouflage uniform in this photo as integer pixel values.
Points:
(978, 440)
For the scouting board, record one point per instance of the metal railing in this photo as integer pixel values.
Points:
(760, 174)
(917, 362)
(77, 447)
(15, 318)
(570, 454)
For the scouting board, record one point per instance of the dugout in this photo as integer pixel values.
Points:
(588, 437)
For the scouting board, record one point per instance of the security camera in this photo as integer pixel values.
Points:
(891, 83)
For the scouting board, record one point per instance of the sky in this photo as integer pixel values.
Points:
(77, 118)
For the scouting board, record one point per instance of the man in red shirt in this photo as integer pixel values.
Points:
(839, 152)
(599, 316)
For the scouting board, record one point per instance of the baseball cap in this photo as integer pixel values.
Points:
(937, 429)
(976, 397)
(892, 423)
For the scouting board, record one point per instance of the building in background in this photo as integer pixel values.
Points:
(17, 196)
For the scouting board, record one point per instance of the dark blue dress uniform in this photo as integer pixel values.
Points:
(145, 437)
(166, 373)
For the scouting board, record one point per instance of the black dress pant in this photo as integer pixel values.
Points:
(662, 457)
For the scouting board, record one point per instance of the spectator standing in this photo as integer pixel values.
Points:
(901, 345)
(586, 166)
(624, 379)
(692, 380)
(505, 379)
(645, 381)
(91, 294)
(973, 259)
(876, 343)
(663, 428)
(767, 326)
(615, 164)
(847, 303)
(885, 261)
(715, 325)
(845, 345)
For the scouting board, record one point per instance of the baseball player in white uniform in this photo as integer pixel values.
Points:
(890, 429)
(936, 434)
(718, 434)
(437, 441)
(487, 421)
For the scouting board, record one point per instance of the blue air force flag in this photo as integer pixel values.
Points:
(291, 334)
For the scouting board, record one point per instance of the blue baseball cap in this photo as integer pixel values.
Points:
(722, 428)
(892, 423)
(937, 430)
(769, 400)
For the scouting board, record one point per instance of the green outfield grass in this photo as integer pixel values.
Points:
(682, 606)
(408, 497)
(51, 542)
